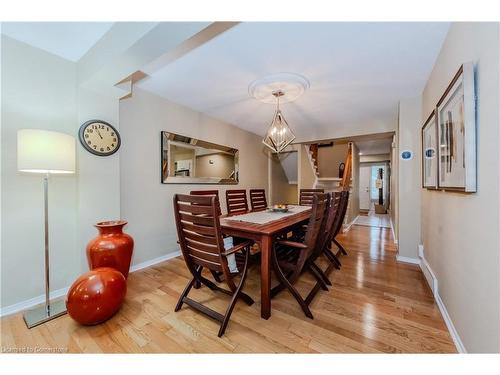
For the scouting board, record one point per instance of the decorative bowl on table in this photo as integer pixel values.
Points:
(279, 208)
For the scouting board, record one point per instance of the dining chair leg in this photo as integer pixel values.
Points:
(289, 286)
(216, 276)
(340, 247)
(187, 289)
(279, 288)
(320, 274)
(235, 297)
(318, 278)
(317, 287)
(332, 258)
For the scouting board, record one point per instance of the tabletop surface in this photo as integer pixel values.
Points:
(270, 228)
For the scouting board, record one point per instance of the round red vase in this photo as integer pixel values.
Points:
(96, 296)
(111, 248)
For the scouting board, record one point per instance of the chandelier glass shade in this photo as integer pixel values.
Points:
(279, 135)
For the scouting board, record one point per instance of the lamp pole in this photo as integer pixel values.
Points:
(43, 314)
(46, 218)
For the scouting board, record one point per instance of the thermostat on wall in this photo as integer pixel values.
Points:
(406, 155)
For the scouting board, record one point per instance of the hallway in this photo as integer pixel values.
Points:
(371, 219)
(376, 305)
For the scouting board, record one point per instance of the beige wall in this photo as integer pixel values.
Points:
(409, 178)
(353, 211)
(460, 232)
(145, 202)
(329, 159)
(281, 190)
(394, 199)
(223, 165)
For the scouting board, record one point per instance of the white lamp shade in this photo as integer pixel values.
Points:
(43, 151)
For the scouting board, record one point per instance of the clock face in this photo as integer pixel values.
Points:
(99, 138)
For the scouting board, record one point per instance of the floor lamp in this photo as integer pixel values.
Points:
(47, 153)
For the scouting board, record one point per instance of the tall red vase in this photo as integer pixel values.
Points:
(111, 248)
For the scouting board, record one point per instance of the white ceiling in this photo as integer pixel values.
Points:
(375, 146)
(69, 40)
(357, 71)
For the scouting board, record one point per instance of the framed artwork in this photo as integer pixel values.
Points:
(456, 123)
(430, 153)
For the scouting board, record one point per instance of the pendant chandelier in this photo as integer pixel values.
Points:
(279, 135)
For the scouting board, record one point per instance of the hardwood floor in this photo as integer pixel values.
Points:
(375, 305)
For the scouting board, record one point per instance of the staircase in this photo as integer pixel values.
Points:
(333, 184)
(313, 152)
(346, 178)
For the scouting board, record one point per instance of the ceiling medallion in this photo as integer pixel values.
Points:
(272, 89)
(293, 84)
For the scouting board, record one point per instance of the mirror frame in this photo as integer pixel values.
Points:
(168, 137)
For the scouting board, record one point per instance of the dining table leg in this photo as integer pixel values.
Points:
(265, 277)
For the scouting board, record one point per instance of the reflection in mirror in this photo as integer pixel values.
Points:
(186, 160)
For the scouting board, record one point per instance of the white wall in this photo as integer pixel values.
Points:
(374, 158)
(98, 177)
(460, 232)
(145, 202)
(38, 91)
(409, 176)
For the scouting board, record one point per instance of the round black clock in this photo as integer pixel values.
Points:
(99, 138)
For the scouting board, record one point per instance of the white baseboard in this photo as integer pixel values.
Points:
(451, 328)
(399, 258)
(421, 251)
(27, 304)
(429, 276)
(433, 284)
(24, 305)
(393, 233)
(152, 262)
(348, 226)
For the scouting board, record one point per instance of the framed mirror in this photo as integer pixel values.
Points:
(186, 160)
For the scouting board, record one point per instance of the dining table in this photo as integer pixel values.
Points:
(263, 227)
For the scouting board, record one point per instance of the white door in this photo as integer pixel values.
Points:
(364, 187)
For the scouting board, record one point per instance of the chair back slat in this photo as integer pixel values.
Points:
(236, 201)
(306, 196)
(198, 229)
(205, 193)
(258, 199)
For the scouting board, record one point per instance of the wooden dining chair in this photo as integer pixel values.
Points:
(306, 196)
(324, 238)
(343, 204)
(290, 257)
(258, 199)
(207, 192)
(202, 245)
(236, 201)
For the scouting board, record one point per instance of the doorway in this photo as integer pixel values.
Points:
(373, 191)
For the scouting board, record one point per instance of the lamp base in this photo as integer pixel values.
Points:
(38, 316)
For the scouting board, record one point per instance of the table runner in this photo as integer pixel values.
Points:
(264, 217)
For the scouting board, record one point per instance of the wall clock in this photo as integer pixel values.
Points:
(99, 138)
